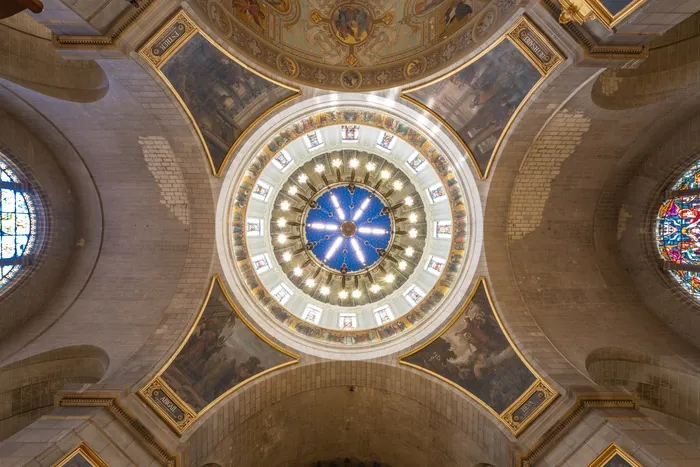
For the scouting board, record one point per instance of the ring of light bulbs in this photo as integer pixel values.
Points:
(340, 286)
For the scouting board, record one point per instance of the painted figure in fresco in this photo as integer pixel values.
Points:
(424, 6)
(352, 23)
(475, 354)
(251, 11)
(459, 10)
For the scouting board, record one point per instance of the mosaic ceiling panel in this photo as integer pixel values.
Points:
(356, 45)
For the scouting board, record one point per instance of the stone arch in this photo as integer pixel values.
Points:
(37, 65)
(292, 418)
(27, 387)
(670, 69)
(667, 385)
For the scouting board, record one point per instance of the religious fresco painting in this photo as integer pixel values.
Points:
(81, 456)
(614, 456)
(223, 97)
(479, 101)
(474, 354)
(221, 353)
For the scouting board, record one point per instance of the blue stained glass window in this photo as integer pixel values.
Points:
(17, 224)
(689, 180)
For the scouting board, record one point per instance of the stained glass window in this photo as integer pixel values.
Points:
(261, 263)
(386, 141)
(443, 229)
(678, 231)
(313, 140)
(383, 315)
(435, 265)
(347, 321)
(312, 314)
(437, 193)
(416, 163)
(414, 294)
(282, 160)
(254, 227)
(350, 133)
(17, 224)
(281, 293)
(261, 191)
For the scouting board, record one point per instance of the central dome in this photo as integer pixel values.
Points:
(344, 229)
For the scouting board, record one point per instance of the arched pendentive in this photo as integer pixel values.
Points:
(672, 67)
(38, 67)
(666, 385)
(348, 409)
(27, 387)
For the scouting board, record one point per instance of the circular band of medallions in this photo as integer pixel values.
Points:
(438, 51)
(352, 227)
(439, 303)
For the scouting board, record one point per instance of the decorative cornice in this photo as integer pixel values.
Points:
(592, 48)
(108, 40)
(583, 403)
(111, 402)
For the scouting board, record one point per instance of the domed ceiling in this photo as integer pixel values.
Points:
(355, 45)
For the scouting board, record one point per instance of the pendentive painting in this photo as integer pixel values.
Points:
(222, 353)
(479, 101)
(223, 97)
(614, 456)
(616, 6)
(474, 354)
(81, 456)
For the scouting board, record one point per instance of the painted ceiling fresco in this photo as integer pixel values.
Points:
(354, 44)
(222, 353)
(223, 97)
(479, 101)
(475, 355)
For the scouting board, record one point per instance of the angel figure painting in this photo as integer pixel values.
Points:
(222, 96)
(475, 355)
(221, 353)
(479, 101)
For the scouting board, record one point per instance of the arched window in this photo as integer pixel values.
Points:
(678, 230)
(18, 223)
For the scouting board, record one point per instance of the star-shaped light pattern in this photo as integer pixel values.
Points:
(349, 229)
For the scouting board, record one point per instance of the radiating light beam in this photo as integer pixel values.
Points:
(363, 206)
(334, 248)
(322, 226)
(338, 209)
(368, 230)
(358, 251)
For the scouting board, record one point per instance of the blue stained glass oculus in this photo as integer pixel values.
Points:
(348, 229)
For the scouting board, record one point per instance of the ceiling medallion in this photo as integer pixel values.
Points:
(348, 230)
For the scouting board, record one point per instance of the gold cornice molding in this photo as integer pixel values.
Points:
(580, 407)
(111, 401)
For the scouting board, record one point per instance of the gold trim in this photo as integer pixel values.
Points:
(610, 452)
(583, 402)
(545, 71)
(144, 51)
(88, 454)
(585, 10)
(506, 417)
(111, 402)
(157, 381)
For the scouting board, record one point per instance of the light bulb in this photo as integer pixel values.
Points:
(286, 256)
(298, 271)
(408, 201)
(303, 178)
(374, 288)
(413, 233)
(354, 163)
(389, 278)
(385, 174)
(397, 185)
(402, 265)
(356, 294)
(319, 168)
(292, 190)
(284, 205)
(343, 294)
(281, 222)
(413, 217)
(336, 163)
(281, 239)
(310, 282)
(325, 290)
(370, 166)
(410, 251)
